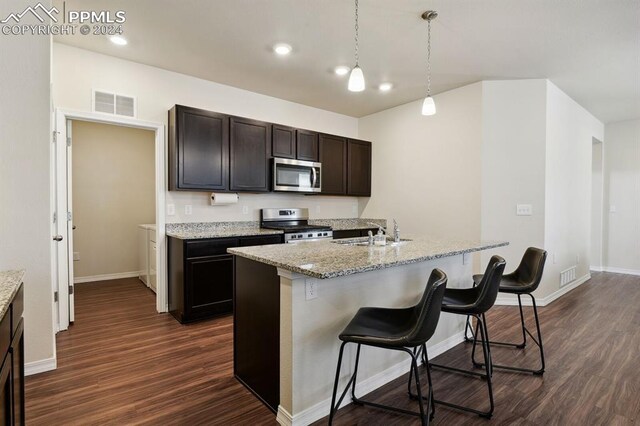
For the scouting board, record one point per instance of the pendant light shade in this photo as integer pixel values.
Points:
(356, 80)
(428, 106)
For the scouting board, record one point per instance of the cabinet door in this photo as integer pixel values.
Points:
(209, 286)
(307, 143)
(283, 141)
(198, 149)
(6, 406)
(260, 240)
(250, 151)
(359, 168)
(17, 375)
(346, 233)
(333, 156)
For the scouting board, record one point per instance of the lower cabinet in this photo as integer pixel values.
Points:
(202, 275)
(12, 369)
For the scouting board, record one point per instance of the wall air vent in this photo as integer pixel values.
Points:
(112, 103)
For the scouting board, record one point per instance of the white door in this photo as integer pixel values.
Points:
(63, 222)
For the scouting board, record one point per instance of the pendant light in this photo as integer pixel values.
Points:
(356, 79)
(428, 106)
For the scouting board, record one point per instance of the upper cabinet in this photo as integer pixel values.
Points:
(198, 150)
(284, 141)
(209, 151)
(359, 168)
(333, 156)
(307, 144)
(250, 151)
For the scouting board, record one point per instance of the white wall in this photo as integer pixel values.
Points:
(76, 72)
(25, 222)
(570, 132)
(597, 200)
(513, 166)
(622, 183)
(426, 169)
(113, 192)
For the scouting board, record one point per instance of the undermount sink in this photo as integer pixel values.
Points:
(364, 241)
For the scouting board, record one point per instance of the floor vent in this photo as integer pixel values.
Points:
(567, 276)
(112, 103)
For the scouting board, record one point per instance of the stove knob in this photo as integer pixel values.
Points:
(299, 235)
(310, 235)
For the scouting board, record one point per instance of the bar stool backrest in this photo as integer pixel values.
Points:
(530, 270)
(427, 312)
(490, 284)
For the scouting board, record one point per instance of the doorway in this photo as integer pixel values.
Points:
(63, 207)
(597, 205)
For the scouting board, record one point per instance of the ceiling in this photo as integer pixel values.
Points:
(589, 48)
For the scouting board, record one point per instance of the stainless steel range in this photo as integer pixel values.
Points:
(295, 224)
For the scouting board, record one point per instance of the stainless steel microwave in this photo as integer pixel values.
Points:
(296, 175)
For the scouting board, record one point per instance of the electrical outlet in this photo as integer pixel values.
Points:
(311, 289)
(188, 209)
(612, 209)
(76, 255)
(171, 209)
(354, 210)
(245, 210)
(317, 208)
(466, 258)
(524, 209)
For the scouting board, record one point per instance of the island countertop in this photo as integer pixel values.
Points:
(328, 259)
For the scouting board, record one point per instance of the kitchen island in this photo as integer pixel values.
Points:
(291, 301)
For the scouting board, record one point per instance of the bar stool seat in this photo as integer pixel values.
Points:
(404, 329)
(508, 284)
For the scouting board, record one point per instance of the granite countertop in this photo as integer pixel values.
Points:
(345, 224)
(9, 284)
(328, 259)
(200, 230)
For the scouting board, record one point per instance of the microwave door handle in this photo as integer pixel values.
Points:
(315, 177)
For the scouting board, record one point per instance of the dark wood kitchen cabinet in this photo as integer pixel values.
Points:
(307, 145)
(250, 151)
(12, 364)
(358, 168)
(202, 275)
(198, 150)
(283, 141)
(333, 156)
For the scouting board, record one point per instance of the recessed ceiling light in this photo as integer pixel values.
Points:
(385, 87)
(342, 70)
(120, 41)
(282, 49)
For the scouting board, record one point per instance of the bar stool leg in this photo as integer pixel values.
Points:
(334, 407)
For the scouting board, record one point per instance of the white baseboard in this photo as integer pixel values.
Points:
(322, 408)
(596, 268)
(505, 300)
(41, 366)
(105, 277)
(621, 271)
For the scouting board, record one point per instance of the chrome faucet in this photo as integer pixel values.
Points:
(396, 229)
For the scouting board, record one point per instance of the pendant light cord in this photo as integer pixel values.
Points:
(428, 56)
(356, 33)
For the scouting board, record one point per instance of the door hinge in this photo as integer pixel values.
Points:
(55, 136)
(55, 296)
(69, 216)
(68, 140)
(55, 217)
(70, 289)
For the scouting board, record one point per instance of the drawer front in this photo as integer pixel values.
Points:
(17, 309)
(5, 335)
(261, 240)
(209, 247)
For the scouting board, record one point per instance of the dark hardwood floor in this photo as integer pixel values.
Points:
(122, 363)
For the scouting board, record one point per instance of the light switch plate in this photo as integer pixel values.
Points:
(613, 209)
(76, 255)
(188, 209)
(171, 209)
(524, 209)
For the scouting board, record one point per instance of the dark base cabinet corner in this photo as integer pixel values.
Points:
(256, 329)
(202, 275)
(12, 366)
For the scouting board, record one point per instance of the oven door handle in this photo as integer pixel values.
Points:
(315, 177)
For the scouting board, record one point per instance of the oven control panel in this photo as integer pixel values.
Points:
(307, 236)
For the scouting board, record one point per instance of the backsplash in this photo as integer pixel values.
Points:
(249, 205)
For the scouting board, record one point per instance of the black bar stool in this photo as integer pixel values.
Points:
(524, 280)
(475, 301)
(405, 329)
